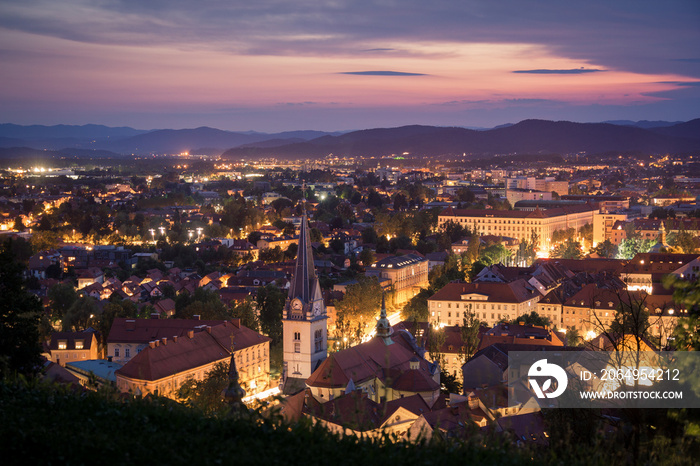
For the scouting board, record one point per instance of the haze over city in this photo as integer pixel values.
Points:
(273, 66)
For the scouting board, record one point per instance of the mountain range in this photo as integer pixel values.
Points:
(528, 136)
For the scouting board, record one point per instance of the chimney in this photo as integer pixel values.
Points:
(190, 334)
(151, 344)
(197, 317)
(208, 328)
(236, 322)
(109, 358)
(164, 340)
(175, 338)
(155, 315)
(130, 324)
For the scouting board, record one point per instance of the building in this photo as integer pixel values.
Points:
(531, 183)
(388, 367)
(65, 347)
(645, 271)
(407, 275)
(491, 302)
(605, 227)
(304, 319)
(128, 337)
(165, 364)
(516, 195)
(520, 224)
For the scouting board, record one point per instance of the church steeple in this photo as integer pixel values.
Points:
(304, 281)
(384, 329)
(305, 333)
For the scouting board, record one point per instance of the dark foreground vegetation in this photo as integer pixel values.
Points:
(42, 423)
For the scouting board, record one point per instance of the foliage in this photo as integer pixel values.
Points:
(569, 249)
(20, 312)
(630, 247)
(533, 318)
(358, 308)
(204, 303)
(605, 249)
(82, 314)
(206, 394)
(469, 331)
(417, 307)
(270, 303)
(495, 254)
(449, 383)
(245, 310)
(559, 236)
(61, 298)
(43, 241)
(436, 340)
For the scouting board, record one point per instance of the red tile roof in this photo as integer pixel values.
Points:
(517, 291)
(142, 331)
(187, 353)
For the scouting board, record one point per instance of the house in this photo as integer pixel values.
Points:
(66, 347)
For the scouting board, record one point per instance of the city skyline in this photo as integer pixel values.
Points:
(346, 65)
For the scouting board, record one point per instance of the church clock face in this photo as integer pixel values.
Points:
(296, 305)
(317, 309)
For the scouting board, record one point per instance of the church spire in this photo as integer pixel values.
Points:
(384, 329)
(304, 280)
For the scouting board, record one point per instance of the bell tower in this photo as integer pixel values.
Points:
(305, 332)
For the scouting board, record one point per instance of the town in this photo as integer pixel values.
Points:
(396, 284)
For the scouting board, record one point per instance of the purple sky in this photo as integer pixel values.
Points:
(273, 65)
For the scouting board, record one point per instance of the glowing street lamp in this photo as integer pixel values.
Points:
(162, 230)
(189, 233)
(199, 232)
(153, 234)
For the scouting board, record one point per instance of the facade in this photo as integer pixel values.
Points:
(407, 275)
(604, 227)
(490, 302)
(165, 364)
(65, 347)
(519, 224)
(128, 337)
(304, 319)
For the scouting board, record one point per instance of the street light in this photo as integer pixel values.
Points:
(190, 232)
(162, 230)
(153, 234)
(199, 232)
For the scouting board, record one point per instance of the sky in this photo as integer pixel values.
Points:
(277, 65)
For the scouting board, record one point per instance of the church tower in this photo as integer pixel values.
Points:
(305, 331)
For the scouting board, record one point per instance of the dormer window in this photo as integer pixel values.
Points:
(78, 344)
(62, 344)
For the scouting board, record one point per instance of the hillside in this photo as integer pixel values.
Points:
(533, 136)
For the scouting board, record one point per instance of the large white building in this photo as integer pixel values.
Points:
(519, 224)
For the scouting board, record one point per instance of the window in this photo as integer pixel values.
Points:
(62, 344)
(116, 352)
(127, 352)
(297, 347)
(297, 336)
(78, 344)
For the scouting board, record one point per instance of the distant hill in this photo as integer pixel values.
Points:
(529, 136)
(646, 124)
(689, 129)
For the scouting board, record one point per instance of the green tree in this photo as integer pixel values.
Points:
(61, 298)
(358, 308)
(245, 310)
(533, 318)
(417, 307)
(630, 247)
(206, 394)
(82, 314)
(569, 249)
(605, 249)
(270, 303)
(20, 312)
(469, 331)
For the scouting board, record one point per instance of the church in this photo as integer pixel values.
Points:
(390, 366)
(304, 319)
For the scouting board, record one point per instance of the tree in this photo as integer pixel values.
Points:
(569, 249)
(270, 303)
(533, 318)
(436, 340)
(20, 312)
(417, 307)
(469, 331)
(61, 298)
(630, 247)
(204, 303)
(82, 314)
(358, 308)
(206, 394)
(367, 257)
(605, 249)
(245, 311)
